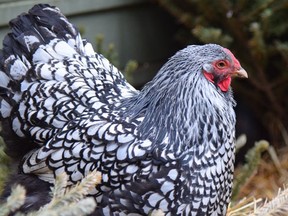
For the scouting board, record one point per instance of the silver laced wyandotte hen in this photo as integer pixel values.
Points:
(65, 108)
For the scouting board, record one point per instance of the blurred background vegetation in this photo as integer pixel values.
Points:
(148, 32)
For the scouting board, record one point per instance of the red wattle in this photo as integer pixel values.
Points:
(225, 84)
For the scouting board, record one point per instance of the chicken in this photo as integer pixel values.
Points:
(65, 108)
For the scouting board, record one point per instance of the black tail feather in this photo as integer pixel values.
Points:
(39, 26)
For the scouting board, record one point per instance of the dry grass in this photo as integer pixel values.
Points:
(271, 175)
(262, 191)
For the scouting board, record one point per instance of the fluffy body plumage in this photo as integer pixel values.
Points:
(169, 146)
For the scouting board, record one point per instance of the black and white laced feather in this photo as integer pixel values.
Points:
(65, 108)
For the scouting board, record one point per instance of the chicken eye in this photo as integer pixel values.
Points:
(221, 64)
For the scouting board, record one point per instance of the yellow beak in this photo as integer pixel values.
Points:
(240, 73)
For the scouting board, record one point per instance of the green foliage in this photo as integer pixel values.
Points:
(129, 70)
(111, 54)
(4, 165)
(71, 201)
(14, 201)
(256, 32)
(253, 157)
(212, 35)
(66, 201)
